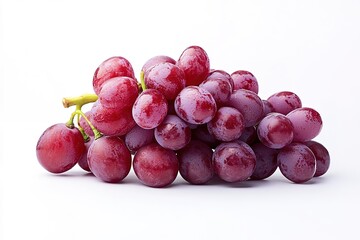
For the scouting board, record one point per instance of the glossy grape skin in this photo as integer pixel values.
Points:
(195, 63)
(249, 104)
(167, 78)
(322, 157)
(266, 161)
(220, 89)
(59, 148)
(297, 162)
(307, 123)
(85, 125)
(202, 133)
(112, 121)
(110, 68)
(234, 161)
(196, 162)
(222, 75)
(138, 137)
(83, 163)
(150, 109)
(195, 105)
(245, 80)
(275, 131)
(268, 108)
(284, 102)
(119, 92)
(109, 159)
(156, 60)
(173, 133)
(227, 125)
(155, 166)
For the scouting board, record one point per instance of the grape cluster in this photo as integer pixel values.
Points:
(183, 117)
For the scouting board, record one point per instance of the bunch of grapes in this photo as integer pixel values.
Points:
(183, 117)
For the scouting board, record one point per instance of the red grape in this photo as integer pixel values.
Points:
(266, 161)
(110, 68)
(284, 102)
(195, 105)
(220, 89)
(85, 125)
(322, 157)
(245, 80)
(173, 133)
(297, 162)
(59, 148)
(138, 137)
(196, 162)
(150, 109)
(155, 166)
(222, 75)
(234, 161)
(109, 159)
(195, 63)
(307, 123)
(156, 60)
(202, 133)
(83, 163)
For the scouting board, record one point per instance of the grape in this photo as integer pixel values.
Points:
(268, 108)
(138, 137)
(59, 148)
(109, 159)
(195, 63)
(266, 161)
(119, 92)
(275, 131)
(249, 104)
(196, 162)
(111, 121)
(202, 133)
(195, 105)
(297, 162)
(173, 133)
(322, 157)
(284, 102)
(222, 75)
(227, 125)
(245, 80)
(150, 109)
(234, 161)
(155, 166)
(166, 78)
(220, 89)
(249, 135)
(83, 163)
(110, 68)
(85, 125)
(307, 123)
(156, 60)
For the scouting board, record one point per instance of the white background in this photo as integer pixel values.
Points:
(50, 49)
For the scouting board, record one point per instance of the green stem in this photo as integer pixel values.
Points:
(142, 80)
(97, 134)
(81, 129)
(80, 100)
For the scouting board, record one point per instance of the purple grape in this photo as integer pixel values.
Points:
(195, 105)
(222, 75)
(109, 159)
(284, 102)
(202, 133)
(266, 161)
(245, 80)
(227, 125)
(297, 162)
(234, 161)
(249, 104)
(173, 133)
(196, 162)
(322, 157)
(138, 137)
(307, 123)
(166, 78)
(150, 109)
(195, 63)
(83, 163)
(249, 135)
(155, 166)
(275, 131)
(220, 89)
(268, 108)
(156, 60)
